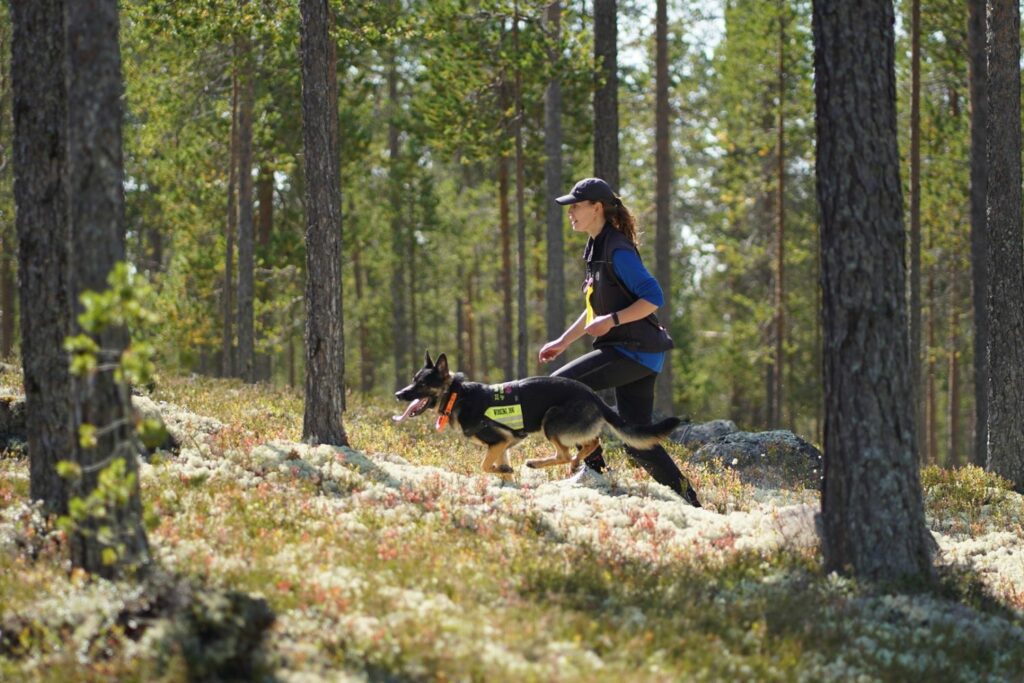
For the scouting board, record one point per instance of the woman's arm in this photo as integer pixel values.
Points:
(554, 348)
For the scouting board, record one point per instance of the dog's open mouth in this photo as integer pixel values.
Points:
(413, 409)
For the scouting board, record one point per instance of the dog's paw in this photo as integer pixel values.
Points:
(505, 469)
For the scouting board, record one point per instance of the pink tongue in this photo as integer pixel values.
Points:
(409, 409)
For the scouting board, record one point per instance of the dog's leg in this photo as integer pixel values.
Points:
(560, 457)
(496, 462)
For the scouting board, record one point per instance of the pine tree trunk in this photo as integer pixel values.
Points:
(97, 222)
(931, 396)
(399, 314)
(325, 350)
(553, 183)
(231, 229)
(40, 196)
(505, 327)
(955, 456)
(872, 506)
(1006, 267)
(365, 360)
(522, 339)
(916, 367)
(978, 76)
(606, 93)
(663, 198)
(246, 227)
(778, 363)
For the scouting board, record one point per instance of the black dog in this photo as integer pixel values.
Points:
(501, 415)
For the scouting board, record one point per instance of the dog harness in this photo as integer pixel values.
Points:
(505, 408)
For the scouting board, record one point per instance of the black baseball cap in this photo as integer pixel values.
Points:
(588, 190)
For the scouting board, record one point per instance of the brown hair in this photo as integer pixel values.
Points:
(622, 219)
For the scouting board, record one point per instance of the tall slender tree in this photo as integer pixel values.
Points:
(97, 223)
(663, 194)
(779, 360)
(553, 183)
(522, 336)
(231, 231)
(606, 92)
(978, 75)
(916, 369)
(399, 313)
(872, 506)
(325, 351)
(8, 241)
(246, 225)
(1006, 253)
(40, 196)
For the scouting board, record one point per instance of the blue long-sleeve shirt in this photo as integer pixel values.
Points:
(635, 277)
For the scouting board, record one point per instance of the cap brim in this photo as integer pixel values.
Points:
(567, 199)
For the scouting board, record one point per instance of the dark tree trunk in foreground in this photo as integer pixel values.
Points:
(1006, 265)
(871, 503)
(663, 196)
(606, 93)
(40, 196)
(553, 184)
(246, 227)
(96, 211)
(978, 73)
(325, 369)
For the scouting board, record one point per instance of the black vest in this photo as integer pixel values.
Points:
(610, 295)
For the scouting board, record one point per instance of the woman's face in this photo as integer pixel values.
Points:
(586, 217)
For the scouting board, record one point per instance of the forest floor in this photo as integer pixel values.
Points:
(397, 560)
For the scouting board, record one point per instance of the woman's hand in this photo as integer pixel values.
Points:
(600, 326)
(551, 351)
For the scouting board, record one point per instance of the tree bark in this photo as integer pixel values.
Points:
(978, 77)
(505, 327)
(778, 364)
(325, 351)
(663, 197)
(231, 229)
(97, 223)
(1006, 265)
(606, 93)
(522, 338)
(872, 507)
(246, 227)
(399, 314)
(955, 454)
(40, 195)
(553, 182)
(916, 367)
(265, 196)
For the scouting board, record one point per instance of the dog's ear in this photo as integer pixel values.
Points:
(426, 360)
(442, 365)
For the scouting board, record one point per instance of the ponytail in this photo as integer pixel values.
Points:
(622, 219)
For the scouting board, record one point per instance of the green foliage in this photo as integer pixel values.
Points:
(94, 515)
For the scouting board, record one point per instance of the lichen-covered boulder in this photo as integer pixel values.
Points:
(774, 459)
(696, 434)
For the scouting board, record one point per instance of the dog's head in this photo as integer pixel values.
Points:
(428, 384)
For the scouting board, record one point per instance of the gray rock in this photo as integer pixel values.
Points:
(775, 459)
(12, 421)
(697, 434)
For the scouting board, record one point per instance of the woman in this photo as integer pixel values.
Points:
(629, 344)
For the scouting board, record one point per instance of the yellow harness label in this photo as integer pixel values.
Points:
(507, 416)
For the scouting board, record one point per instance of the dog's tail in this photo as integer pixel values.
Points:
(641, 437)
